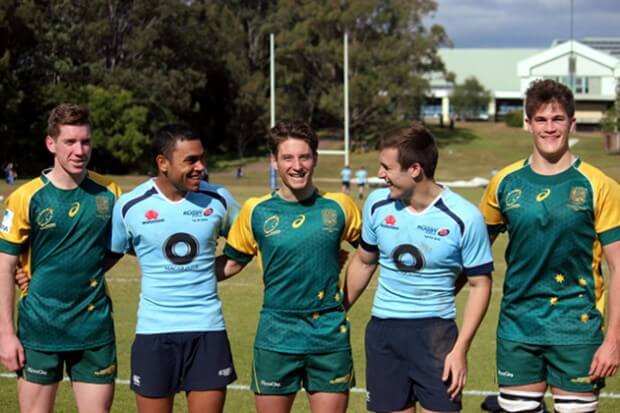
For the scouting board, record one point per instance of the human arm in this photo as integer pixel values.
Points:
(607, 358)
(11, 350)
(226, 267)
(362, 267)
(455, 365)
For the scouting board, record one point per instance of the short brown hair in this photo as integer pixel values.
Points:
(545, 91)
(291, 129)
(67, 114)
(415, 144)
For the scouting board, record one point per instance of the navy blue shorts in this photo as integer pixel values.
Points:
(404, 363)
(164, 364)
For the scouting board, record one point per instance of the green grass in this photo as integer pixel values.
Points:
(473, 150)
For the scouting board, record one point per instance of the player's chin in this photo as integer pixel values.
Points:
(192, 184)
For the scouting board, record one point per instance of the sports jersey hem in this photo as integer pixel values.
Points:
(548, 343)
(335, 307)
(10, 248)
(610, 236)
(313, 350)
(64, 348)
(170, 331)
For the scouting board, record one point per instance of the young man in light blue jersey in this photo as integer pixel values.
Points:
(172, 224)
(345, 177)
(361, 177)
(423, 237)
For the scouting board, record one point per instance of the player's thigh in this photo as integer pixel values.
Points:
(328, 402)
(93, 397)
(208, 363)
(330, 372)
(211, 401)
(42, 367)
(274, 403)
(156, 365)
(96, 365)
(519, 364)
(388, 385)
(154, 404)
(36, 397)
(568, 368)
(428, 342)
(276, 373)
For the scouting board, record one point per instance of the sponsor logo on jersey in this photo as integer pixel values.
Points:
(207, 212)
(225, 372)
(505, 373)
(270, 226)
(299, 221)
(443, 232)
(577, 198)
(103, 207)
(136, 380)
(75, 207)
(543, 195)
(389, 222)
(7, 221)
(581, 380)
(512, 199)
(152, 217)
(270, 383)
(44, 219)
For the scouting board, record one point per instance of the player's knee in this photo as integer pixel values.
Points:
(575, 404)
(515, 401)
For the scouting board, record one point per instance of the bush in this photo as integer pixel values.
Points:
(514, 119)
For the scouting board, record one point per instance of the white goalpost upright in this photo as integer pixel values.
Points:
(339, 152)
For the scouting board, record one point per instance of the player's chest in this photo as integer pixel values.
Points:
(78, 212)
(540, 205)
(306, 228)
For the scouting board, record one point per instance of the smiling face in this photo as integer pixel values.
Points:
(401, 182)
(551, 127)
(182, 168)
(71, 149)
(295, 163)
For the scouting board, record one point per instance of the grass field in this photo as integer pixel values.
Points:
(471, 150)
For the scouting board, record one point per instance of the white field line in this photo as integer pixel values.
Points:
(245, 387)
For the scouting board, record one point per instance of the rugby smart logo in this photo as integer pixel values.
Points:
(7, 221)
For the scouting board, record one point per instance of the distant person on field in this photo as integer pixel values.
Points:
(9, 173)
(296, 231)
(426, 240)
(562, 215)
(239, 172)
(345, 177)
(57, 226)
(361, 176)
(172, 223)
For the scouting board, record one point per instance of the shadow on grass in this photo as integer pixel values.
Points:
(446, 136)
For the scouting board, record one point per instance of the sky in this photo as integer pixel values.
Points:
(525, 23)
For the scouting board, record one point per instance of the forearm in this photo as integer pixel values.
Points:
(475, 309)
(226, 267)
(358, 276)
(612, 334)
(7, 293)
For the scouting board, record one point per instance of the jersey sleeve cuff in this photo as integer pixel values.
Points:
(495, 229)
(368, 247)
(609, 236)
(10, 248)
(484, 269)
(238, 256)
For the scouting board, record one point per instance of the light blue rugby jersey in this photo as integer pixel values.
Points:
(361, 176)
(175, 244)
(422, 254)
(345, 174)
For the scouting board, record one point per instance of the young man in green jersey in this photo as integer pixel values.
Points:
(303, 332)
(562, 215)
(57, 227)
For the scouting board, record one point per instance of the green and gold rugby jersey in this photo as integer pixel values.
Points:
(298, 246)
(557, 225)
(62, 236)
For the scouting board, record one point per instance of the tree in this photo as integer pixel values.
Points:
(469, 99)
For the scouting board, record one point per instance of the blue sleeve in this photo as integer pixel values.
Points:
(476, 252)
(369, 236)
(232, 210)
(119, 241)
